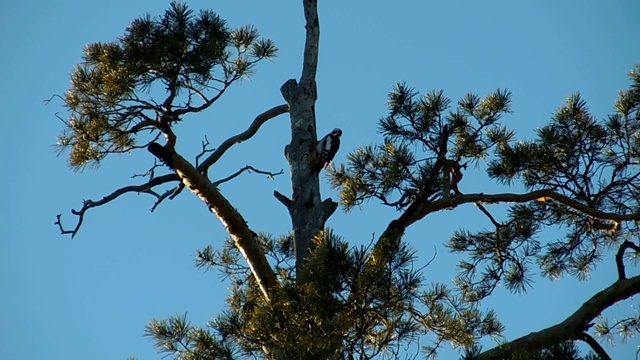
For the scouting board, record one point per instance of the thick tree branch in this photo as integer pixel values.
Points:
(243, 136)
(594, 344)
(232, 220)
(430, 207)
(572, 327)
(620, 257)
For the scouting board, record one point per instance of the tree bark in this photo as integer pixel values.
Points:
(573, 326)
(306, 207)
(233, 222)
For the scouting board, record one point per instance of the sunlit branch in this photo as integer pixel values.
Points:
(620, 257)
(247, 168)
(243, 136)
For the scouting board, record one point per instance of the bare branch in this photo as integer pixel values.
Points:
(151, 172)
(243, 136)
(491, 218)
(573, 326)
(205, 143)
(283, 199)
(171, 194)
(620, 257)
(247, 168)
(47, 101)
(595, 345)
(88, 204)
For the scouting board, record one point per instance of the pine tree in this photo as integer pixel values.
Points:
(309, 294)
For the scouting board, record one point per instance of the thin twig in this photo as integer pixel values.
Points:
(151, 172)
(486, 212)
(205, 143)
(247, 168)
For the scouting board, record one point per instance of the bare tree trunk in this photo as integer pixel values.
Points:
(306, 207)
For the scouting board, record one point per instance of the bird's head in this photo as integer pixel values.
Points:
(336, 132)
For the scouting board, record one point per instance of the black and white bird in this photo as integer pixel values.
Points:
(326, 149)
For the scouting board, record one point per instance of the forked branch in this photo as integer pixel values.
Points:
(88, 204)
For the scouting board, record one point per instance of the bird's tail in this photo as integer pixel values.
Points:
(317, 167)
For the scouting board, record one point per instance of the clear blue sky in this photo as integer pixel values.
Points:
(91, 297)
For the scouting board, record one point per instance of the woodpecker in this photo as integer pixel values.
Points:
(326, 149)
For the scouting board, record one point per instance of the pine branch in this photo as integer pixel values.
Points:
(572, 327)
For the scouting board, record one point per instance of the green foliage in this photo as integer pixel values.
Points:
(187, 59)
(419, 134)
(351, 307)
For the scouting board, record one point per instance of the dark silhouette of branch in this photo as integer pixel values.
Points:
(620, 257)
(454, 201)
(594, 344)
(151, 172)
(573, 326)
(247, 168)
(329, 207)
(171, 194)
(88, 204)
(488, 214)
(205, 143)
(243, 136)
(283, 199)
(154, 181)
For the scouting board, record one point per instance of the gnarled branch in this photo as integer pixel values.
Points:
(572, 327)
(88, 204)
